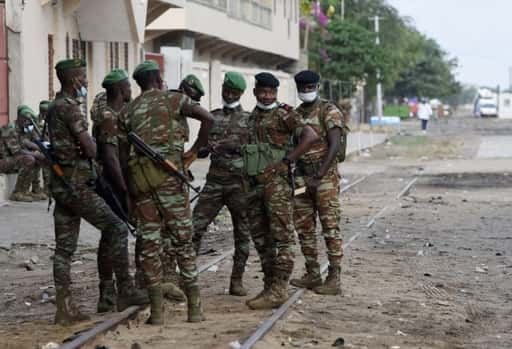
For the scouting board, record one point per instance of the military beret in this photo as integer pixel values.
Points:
(307, 77)
(26, 112)
(66, 64)
(113, 77)
(235, 81)
(266, 80)
(145, 66)
(43, 105)
(192, 81)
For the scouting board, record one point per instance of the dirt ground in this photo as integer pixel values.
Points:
(432, 272)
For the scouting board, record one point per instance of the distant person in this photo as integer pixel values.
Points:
(424, 114)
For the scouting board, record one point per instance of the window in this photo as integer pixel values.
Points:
(67, 45)
(51, 52)
(116, 55)
(76, 48)
(126, 56)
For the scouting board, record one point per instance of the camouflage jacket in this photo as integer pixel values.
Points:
(156, 117)
(231, 126)
(275, 127)
(322, 116)
(66, 121)
(104, 125)
(9, 141)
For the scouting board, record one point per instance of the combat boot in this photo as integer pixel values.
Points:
(236, 287)
(275, 297)
(38, 194)
(20, 196)
(128, 295)
(195, 310)
(172, 292)
(267, 284)
(67, 312)
(331, 285)
(156, 301)
(311, 278)
(107, 301)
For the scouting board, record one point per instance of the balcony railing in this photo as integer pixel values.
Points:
(250, 11)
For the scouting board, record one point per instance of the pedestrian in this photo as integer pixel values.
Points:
(159, 119)
(226, 184)
(74, 150)
(317, 169)
(268, 158)
(424, 114)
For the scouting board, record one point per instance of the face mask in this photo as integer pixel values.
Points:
(232, 105)
(81, 92)
(308, 97)
(266, 107)
(28, 129)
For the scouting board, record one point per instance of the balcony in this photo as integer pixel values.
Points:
(250, 11)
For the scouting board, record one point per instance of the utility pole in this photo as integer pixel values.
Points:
(378, 105)
(342, 10)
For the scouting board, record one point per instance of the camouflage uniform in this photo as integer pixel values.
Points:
(226, 185)
(66, 120)
(322, 116)
(11, 161)
(270, 204)
(156, 117)
(31, 177)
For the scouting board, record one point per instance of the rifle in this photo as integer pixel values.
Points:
(45, 149)
(159, 160)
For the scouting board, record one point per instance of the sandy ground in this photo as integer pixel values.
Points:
(433, 272)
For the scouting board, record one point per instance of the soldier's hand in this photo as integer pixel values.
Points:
(312, 184)
(188, 158)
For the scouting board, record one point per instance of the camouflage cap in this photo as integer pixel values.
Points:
(145, 66)
(66, 64)
(194, 82)
(115, 76)
(43, 105)
(235, 81)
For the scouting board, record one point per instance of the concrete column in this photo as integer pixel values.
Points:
(172, 66)
(215, 84)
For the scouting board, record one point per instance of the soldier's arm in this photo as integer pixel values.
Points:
(308, 137)
(333, 139)
(195, 111)
(108, 133)
(78, 126)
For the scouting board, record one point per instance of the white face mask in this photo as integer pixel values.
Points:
(308, 97)
(28, 129)
(233, 105)
(82, 92)
(266, 107)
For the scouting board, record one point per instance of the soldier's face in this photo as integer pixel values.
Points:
(126, 91)
(231, 95)
(265, 95)
(307, 88)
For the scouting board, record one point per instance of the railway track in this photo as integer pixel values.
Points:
(117, 319)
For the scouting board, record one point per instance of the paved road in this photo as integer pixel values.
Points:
(495, 147)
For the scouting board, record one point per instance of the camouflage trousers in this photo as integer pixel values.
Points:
(69, 209)
(166, 209)
(25, 165)
(270, 211)
(30, 180)
(216, 194)
(326, 204)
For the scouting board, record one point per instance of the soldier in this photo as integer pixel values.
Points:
(158, 117)
(15, 157)
(104, 117)
(192, 87)
(26, 179)
(318, 170)
(74, 150)
(225, 181)
(268, 158)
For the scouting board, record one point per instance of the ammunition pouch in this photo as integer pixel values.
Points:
(257, 157)
(144, 176)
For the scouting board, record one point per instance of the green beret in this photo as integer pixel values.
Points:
(195, 83)
(114, 76)
(145, 66)
(43, 105)
(26, 111)
(235, 81)
(66, 64)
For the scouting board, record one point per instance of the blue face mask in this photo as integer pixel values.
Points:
(81, 92)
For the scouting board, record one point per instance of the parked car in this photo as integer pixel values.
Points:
(487, 110)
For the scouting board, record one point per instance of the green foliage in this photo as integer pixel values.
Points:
(397, 110)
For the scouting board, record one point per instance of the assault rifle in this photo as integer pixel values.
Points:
(159, 160)
(44, 148)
